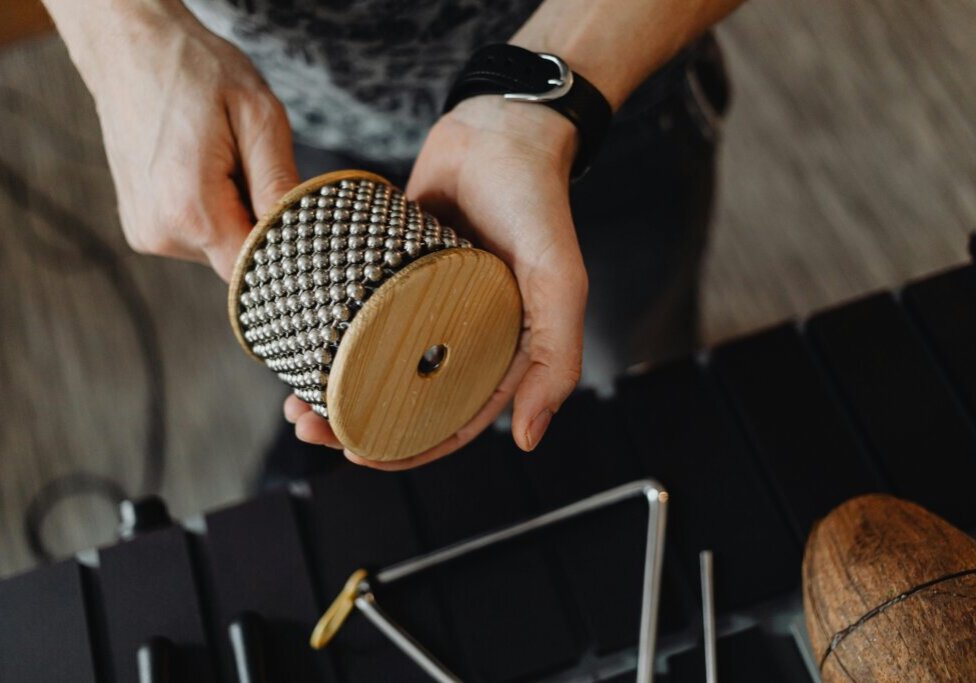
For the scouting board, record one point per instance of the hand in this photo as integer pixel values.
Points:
(498, 172)
(191, 131)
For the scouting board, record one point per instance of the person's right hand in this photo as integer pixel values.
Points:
(197, 143)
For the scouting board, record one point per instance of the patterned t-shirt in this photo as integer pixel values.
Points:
(364, 77)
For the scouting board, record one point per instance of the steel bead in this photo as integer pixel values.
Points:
(340, 312)
(337, 292)
(337, 258)
(288, 217)
(354, 272)
(373, 272)
(355, 291)
(392, 258)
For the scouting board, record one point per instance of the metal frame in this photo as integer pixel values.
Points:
(364, 599)
(705, 563)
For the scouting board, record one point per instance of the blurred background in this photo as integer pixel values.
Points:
(848, 165)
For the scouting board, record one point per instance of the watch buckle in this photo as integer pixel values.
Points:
(561, 84)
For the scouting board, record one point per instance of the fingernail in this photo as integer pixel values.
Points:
(533, 435)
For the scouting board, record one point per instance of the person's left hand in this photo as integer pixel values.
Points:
(498, 172)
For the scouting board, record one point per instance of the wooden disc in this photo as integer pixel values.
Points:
(384, 404)
(889, 592)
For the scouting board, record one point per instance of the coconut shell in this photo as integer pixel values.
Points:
(889, 592)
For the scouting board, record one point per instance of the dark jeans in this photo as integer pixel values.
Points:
(641, 213)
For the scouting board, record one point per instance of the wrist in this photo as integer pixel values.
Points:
(526, 125)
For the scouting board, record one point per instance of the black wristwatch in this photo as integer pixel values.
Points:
(526, 76)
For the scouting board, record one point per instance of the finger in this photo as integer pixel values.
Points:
(487, 415)
(229, 225)
(555, 301)
(264, 141)
(294, 408)
(313, 428)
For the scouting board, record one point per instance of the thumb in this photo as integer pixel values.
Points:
(264, 143)
(554, 304)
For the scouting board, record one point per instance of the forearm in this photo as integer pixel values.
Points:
(97, 31)
(616, 44)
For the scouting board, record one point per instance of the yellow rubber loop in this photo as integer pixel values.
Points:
(338, 611)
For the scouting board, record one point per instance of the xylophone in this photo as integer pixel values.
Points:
(754, 440)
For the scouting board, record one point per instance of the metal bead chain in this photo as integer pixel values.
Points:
(316, 267)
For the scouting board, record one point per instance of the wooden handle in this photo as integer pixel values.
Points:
(889, 591)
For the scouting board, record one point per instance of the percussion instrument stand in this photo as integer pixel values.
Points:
(708, 615)
(359, 590)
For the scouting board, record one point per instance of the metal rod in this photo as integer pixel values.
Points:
(650, 490)
(708, 615)
(403, 640)
(650, 597)
(648, 487)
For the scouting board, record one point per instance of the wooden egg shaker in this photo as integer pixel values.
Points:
(383, 320)
(889, 592)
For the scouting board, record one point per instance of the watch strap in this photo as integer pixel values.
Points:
(521, 74)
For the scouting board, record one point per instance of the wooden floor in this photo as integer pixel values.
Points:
(849, 165)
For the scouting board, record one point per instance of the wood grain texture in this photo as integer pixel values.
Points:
(380, 406)
(879, 597)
